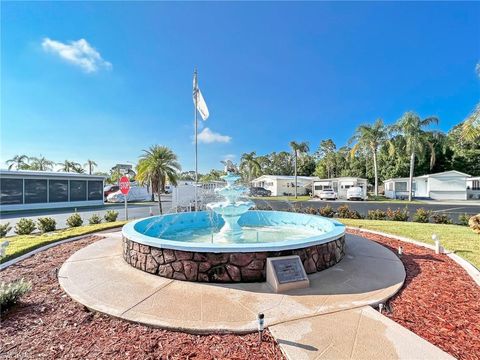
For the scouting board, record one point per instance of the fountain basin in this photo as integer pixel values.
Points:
(185, 246)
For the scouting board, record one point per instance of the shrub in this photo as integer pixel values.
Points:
(376, 214)
(310, 210)
(94, 219)
(74, 220)
(439, 218)
(463, 219)
(10, 293)
(111, 216)
(344, 212)
(46, 224)
(326, 211)
(474, 223)
(422, 215)
(4, 229)
(25, 226)
(397, 215)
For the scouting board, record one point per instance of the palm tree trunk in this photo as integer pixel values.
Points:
(160, 198)
(410, 180)
(375, 170)
(295, 174)
(151, 189)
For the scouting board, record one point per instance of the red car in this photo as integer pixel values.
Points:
(107, 190)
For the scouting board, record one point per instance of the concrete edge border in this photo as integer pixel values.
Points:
(471, 270)
(8, 263)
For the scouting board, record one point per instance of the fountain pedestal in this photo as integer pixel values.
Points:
(232, 209)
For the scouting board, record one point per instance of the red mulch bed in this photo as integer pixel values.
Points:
(439, 301)
(47, 324)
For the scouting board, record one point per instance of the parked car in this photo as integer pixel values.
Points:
(327, 194)
(355, 193)
(259, 191)
(109, 189)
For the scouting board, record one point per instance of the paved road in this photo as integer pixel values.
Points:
(453, 210)
(135, 211)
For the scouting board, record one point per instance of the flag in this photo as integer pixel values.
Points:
(200, 101)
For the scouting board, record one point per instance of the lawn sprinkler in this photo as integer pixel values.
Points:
(261, 326)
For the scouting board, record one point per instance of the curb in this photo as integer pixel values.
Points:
(471, 270)
(46, 247)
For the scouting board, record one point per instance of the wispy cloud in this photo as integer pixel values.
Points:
(79, 53)
(207, 136)
(230, 157)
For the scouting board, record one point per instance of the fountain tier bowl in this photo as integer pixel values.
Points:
(189, 246)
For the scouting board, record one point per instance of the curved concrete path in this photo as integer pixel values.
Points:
(98, 277)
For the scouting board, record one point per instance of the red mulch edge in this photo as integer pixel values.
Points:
(48, 324)
(439, 301)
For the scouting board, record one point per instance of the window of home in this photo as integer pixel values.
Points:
(35, 191)
(58, 191)
(95, 190)
(11, 191)
(476, 185)
(78, 190)
(401, 186)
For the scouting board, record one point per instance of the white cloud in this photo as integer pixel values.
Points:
(79, 53)
(230, 157)
(207, 136)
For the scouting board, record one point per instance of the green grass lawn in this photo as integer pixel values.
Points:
(21, 244)
(284, 198)
(460, 239)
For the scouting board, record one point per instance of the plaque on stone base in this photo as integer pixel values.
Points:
(286, 273)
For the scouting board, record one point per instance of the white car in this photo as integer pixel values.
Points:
(355, 193)
(327, 194)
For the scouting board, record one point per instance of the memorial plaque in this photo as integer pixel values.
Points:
(289, 270)
(286, 273)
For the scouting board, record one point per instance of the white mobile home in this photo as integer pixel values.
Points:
(340, 185)
(284, 185)
(447, 185)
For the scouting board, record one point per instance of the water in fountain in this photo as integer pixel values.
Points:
(231, 208)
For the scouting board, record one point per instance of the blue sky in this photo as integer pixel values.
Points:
(270, 73)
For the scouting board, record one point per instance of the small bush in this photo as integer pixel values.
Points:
(111, 216)
(326, 211)
(74, 220)
(344, 212)
(95, 219)
(422, 215)
(46, 224)
(310, 210)
(376, 214)
(439, 218)
(25, 226)
(397, 215)
(474, 223)
(4, 229)
(463, 219)
(10, 293)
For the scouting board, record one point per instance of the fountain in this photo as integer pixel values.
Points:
(232, 209)
(229, 242)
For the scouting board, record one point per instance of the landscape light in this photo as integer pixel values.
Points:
(400, 251)
(380, 308)
(261, 325)
(438, 247)
(151, 212)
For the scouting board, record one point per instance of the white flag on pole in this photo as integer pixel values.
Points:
(200, 101)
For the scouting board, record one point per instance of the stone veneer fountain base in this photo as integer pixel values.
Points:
(225, 267)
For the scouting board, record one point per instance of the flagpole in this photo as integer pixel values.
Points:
(196, 140)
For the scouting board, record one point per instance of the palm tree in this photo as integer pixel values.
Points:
(370, 138)
(19, 161)
(471, 126)
(90, 164)
(156, 165)
(71, 166)
(298, 150)
(250, 164)
(41, 163)
(410, 126)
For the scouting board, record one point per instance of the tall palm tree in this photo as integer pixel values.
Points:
(155, 166)
(19, 161)
(90, 164)
(71, 166)
(370, 138)
(41, 163)
(250, 165)
(471, 126)
(298, 149)
(410, 126)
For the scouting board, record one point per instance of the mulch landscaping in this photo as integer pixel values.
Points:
(48, 324)
(439, 301)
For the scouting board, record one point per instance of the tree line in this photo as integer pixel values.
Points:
(40, 163)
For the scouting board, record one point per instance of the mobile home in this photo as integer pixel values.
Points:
(340, 185)
(284, 185)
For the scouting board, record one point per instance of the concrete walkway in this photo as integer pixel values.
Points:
(331, 319)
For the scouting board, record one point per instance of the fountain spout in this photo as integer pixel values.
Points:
(231, 209)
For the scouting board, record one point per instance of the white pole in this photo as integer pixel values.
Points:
(195, 91)
(126, 211)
